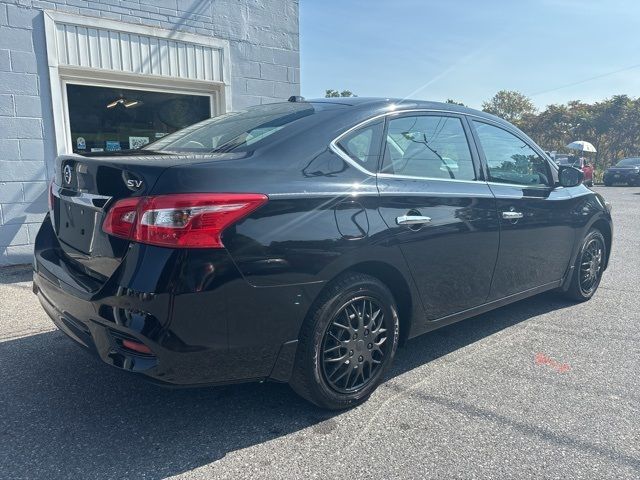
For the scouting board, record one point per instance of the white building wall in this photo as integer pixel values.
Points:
(264, 67)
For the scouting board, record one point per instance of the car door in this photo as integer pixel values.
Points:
(536, 232)
(439, 210)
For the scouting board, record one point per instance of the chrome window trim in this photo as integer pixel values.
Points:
(435, 179)
(333, 145)
(423, 193)
(355, 194)
(475, 182)
(537, 186)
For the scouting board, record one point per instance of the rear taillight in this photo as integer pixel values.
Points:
(121, 218)
(190, 220)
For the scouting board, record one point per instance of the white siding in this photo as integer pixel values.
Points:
(113, 50)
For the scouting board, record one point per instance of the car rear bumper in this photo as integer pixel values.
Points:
(90, 334)
(199, 332)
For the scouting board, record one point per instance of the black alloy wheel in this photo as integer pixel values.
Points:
(354, 345)
(346, 343)
(588, 267)
(591, 265)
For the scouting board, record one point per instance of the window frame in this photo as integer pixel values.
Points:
(361, 126)
(552, 169)
(475, 161)
(471, 142)
(335, 148)
(477, 154)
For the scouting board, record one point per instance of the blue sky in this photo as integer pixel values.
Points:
(468, 50)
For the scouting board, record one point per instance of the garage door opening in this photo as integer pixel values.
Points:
(107, 119)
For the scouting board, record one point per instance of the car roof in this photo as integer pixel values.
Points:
(381, 105)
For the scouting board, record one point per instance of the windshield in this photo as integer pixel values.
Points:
(628, 162)
(567, 161)
(237, 131)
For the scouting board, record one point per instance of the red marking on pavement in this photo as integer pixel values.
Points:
(542, 359)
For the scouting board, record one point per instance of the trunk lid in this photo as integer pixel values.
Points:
(84, 189)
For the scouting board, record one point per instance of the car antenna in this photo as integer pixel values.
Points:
(295, 98)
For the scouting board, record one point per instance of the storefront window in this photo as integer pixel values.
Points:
(112, 119)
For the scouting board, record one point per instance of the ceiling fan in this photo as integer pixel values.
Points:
(125, 102)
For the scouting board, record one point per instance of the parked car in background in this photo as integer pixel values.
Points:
(580, 163)
(626, 171)
(301, 242)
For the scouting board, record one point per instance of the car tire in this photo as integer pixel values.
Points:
(335, 343)
(588, 268)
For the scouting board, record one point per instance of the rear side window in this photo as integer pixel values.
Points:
(428, 146)
(509, 159)
(363, 145)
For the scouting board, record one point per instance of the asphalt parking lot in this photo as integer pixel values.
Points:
(539, 389)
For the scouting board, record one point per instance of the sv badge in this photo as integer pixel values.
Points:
(132, 181)
(134, 184)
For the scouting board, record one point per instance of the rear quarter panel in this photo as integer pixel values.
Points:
(321, 218)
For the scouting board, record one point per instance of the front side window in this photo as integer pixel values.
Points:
(363, 145)
(509, 159)
(428, 146)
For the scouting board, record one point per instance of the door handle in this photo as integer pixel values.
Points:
(412, 220)
(512, 215)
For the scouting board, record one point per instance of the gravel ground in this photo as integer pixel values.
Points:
(541, 388)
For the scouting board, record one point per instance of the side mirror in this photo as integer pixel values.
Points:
(570, 176)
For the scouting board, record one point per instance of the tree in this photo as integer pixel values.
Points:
(611, 125)
(335, 93)
(510, 105)
(455, 102)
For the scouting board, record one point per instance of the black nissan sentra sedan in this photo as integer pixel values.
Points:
(302, 241)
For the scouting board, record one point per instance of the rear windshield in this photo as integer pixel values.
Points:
(237, 131)
(628, 162)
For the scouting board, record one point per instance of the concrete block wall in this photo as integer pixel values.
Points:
(265, 67)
